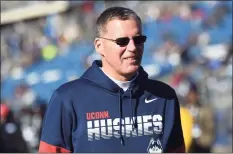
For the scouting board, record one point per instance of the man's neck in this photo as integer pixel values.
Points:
(118, 76)
(121, 83)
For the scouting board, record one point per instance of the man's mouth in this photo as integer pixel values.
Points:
(132, 58)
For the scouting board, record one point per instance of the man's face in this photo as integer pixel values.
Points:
(120, 61)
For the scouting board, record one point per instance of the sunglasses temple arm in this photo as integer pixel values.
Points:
(108, 39)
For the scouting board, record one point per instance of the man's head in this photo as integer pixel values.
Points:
(120, 42)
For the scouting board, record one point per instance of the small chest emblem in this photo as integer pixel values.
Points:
(154, 146)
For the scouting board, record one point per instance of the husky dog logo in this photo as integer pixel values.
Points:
(154, 146)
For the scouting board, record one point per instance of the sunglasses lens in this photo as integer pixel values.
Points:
(122, 41)
(125, 40)
(139, 39)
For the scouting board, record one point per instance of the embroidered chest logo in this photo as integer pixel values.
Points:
(150, 100)
(154, 146)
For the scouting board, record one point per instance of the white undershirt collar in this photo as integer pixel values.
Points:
(122, 84)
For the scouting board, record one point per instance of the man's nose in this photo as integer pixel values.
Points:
(131, 46)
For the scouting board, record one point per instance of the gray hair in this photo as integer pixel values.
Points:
(114, 13)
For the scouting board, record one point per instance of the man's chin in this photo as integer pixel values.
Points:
(132, 70)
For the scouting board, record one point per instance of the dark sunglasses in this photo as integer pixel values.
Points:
(123, 41)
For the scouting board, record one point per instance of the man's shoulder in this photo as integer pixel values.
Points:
(159, 85)
(160, 88)
(68, 91)
(74, 85)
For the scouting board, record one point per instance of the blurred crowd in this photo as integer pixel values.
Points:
(189, 46)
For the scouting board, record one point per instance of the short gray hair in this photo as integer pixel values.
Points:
(115, 13)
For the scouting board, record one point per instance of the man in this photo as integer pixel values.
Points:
(10, 132)
(84, 115)
(203, 121)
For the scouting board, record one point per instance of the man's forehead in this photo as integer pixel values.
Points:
(118, 20)
(119, 23)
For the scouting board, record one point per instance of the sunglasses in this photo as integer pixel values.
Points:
(124, 41)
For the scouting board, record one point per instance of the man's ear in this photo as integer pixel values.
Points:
(99, 46)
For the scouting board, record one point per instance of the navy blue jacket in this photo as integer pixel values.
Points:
(84, 116)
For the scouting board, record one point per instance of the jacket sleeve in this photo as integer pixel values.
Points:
(176, 140)
(56, 134)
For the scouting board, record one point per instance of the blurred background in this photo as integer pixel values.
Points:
(47, 43)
